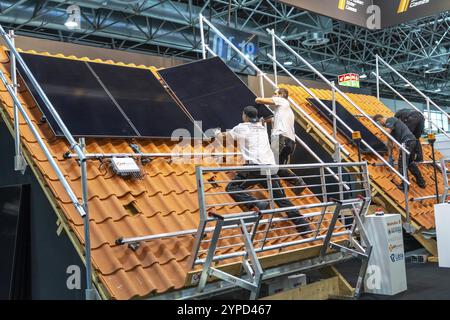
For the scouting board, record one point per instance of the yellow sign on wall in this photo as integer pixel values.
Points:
(404, 5)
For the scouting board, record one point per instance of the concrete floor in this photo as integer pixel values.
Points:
(425, 281)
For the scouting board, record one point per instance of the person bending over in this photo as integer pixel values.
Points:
(253, 143)
(415, 122)
(403, 135)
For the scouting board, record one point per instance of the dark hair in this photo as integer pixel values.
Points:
(377, 117)
(252, 113)
(284, 92)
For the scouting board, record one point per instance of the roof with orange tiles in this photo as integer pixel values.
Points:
(165, 200)
(421, 211)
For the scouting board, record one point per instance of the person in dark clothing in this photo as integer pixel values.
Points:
(403, 135)
(253, 143)
(415, 122)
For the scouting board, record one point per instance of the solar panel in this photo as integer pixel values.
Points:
(78, 97)
(352, 122)
(143, 99)
(211, 92)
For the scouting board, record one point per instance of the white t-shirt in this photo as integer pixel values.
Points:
(253, 143)
(283, 121)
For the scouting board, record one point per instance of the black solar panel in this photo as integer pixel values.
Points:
(77, 96)
(143, 100)
(101, 100)
(211, 92)
(352, 122)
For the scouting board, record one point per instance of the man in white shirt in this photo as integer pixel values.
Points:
(283, 134)
(253, 143)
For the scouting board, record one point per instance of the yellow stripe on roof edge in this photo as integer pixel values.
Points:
(87, 59)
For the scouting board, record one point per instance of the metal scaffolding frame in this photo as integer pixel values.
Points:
(171, 28)
(254, 232)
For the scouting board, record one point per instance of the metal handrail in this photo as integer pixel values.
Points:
(263, 75)
(412, 86)
(44, 148)
(331, 85)
(335, 116)
(73, 143)
(253, 235)
(410, 104)
(155, 155)
(258, 70)
(81, 208)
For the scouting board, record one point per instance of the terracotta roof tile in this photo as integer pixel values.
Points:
(422, 214)
(165, 200)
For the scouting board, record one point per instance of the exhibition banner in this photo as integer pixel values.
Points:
(373, 14)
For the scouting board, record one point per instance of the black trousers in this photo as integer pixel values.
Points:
(284, 148)
(411, 146)
(416, 124)
(278, 192)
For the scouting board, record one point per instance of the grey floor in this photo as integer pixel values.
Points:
(425, 282)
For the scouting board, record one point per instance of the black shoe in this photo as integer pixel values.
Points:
(302, 225)
(300, 187)
(260, 205)
(422, 184)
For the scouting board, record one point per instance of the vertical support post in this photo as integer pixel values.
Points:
(210, 255)
(334, 110)
(378, 77)
(90, 293)
(202, 37)
(430, 128)
(274, 55)
(323, 184)
(272, 205)
(326, 241)
(261, 83)
(445, 177)
(431, 140)
(19, 162)
(406, 188)
(337, 146)
(203, 216)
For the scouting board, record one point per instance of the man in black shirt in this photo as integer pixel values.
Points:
(403, 135)
(415, 122)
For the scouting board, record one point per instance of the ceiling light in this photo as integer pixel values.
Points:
(71, 24)
(407, 85)
(363, 76)
(437, 90)
(288, 63)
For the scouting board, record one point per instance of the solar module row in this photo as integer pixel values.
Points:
(102, 100)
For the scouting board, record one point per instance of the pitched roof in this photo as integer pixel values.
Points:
(421, 211)
(165, 200)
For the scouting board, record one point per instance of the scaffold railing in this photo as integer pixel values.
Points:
(259, 214)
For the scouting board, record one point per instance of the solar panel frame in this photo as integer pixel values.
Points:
(76, 67)
(188, 82)
(145, 91)
(353, 123)
(124, 117)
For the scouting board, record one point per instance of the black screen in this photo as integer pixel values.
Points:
(102, 100)
(352, 122)
(211, 92)
(77, 96)
(143, 100)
